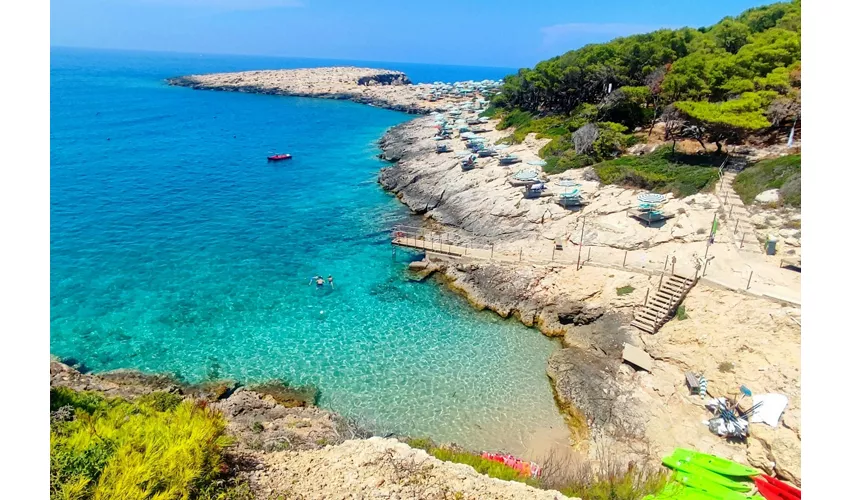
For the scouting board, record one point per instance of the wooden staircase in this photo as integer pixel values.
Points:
(661, 306)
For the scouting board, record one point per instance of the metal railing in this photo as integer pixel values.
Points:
(456, 244)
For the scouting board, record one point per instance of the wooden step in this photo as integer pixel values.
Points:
(649, 323)
(651, 314)
(652, 319)
(662, 304)
(646, 321)
(645, 328)
(672, 290)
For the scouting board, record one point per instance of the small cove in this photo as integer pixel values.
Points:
(176, 248)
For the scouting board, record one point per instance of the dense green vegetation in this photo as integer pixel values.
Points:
(717, 85)
(779, 173)
(662, 171)
(158, 447)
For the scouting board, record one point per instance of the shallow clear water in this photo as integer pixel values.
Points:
(175, 247)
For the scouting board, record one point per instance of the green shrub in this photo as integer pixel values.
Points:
(85, 401)
(161, 401)
(662, 170)
(514, 118)
(625, 290)
(781, 173)
(681, 314)
(421, 443)
(115, 449)
(569, 161)
(630, 484)
(491, 112)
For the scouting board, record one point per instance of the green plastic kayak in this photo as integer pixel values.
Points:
(678, 491)
(676, 463)
(714, 464)
(711, 488)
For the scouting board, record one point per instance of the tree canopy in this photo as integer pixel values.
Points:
(722, 78)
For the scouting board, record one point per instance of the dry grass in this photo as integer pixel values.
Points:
(607, 478)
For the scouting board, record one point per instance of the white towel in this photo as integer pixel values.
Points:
(771, 409)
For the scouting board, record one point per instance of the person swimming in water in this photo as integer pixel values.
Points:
(320, 282)
(331, 280)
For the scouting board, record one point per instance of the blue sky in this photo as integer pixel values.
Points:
(505, 33)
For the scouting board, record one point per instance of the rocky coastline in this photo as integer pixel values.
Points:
(610, 406)
(376, 87)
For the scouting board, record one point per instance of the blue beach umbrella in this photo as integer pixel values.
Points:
(651, 198)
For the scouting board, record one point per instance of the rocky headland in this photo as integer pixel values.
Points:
(378, 87)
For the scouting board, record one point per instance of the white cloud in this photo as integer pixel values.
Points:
(558, 32)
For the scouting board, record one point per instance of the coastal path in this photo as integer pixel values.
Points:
(738, 226)
(717, 265)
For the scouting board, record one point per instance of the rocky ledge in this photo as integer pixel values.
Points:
(486, 208)
(378, 87)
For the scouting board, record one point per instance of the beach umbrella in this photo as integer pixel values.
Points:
(525, 175)
(651, 198)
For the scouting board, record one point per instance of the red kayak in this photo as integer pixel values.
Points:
(280, 157)
(774, 489)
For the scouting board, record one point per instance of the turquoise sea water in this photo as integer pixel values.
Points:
(175, 247)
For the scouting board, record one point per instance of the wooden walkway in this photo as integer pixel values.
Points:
(439, 246)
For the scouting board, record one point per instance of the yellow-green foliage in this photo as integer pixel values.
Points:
(745, 112)
(155, 448)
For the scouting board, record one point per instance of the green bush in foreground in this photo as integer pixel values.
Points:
(781, 173)
(154, 448)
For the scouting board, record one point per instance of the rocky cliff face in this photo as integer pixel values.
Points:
(385, 78)
(383, 468)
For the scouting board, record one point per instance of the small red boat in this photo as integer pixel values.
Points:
(279, 157)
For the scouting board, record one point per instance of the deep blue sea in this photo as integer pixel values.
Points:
(175, 247)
